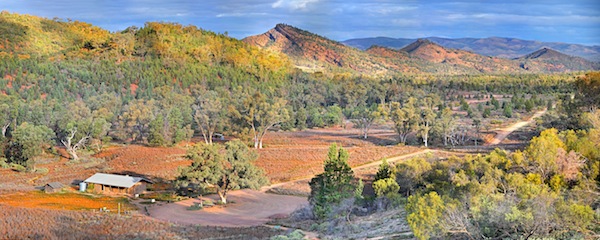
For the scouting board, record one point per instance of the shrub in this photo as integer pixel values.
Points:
(194, 207)
(486, 113)
(3, 163)
(385, 187)
(90, 187)
(295, 235)
(17, 167)
(385, 171)
(41, 171)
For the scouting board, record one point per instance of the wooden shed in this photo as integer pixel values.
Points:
(53, 187)
(116, 184)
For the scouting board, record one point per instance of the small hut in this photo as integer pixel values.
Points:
(116, 184)
(53, 187)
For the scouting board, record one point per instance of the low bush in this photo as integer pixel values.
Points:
(195, 207)
(17, 167)
(295, 235)
(41, 171)
(3, 163)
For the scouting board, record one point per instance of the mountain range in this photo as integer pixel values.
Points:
(492, 46)
(311, 52)
(277, 50)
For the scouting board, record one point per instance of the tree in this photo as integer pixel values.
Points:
(156, 132)
(495, 103)
(71, 147)
(333, 185)
(28, 141)
(261, 114)
(210, 114)
(79, 127)
(410, 173)
(427, 117)
(425, 215)
(385, 171)
(404, 118)
(542, 153)
(486, 113)
(445, 124)
(364, 117)
(477, 124)
(136, 118)
(589, 89)
(8, 114)
(222, 168)
(507, 112)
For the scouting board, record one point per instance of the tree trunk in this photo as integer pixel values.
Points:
(72, 149)
(4, 129)
(260, 141)
(205, 138)
(255, 141)
(73, 154)
(222, 196)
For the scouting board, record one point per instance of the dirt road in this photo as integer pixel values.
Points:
(246, 208)
(503, 133)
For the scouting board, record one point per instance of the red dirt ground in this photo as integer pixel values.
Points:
(247, 208)
(294, 155)
(286, 156)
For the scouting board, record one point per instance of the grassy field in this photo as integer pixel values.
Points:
(65, 201)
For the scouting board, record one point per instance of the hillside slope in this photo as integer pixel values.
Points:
(429, 51)
(555, 61)
(311, 52)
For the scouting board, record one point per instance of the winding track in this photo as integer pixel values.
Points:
(503, 133)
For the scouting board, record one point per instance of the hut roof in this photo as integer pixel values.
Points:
(115, 180)
(55, 185)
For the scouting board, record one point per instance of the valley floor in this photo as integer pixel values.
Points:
(290, 159)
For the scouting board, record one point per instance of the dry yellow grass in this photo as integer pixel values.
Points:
(64, 201)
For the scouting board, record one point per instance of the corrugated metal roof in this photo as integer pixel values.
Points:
(114, 180)
(56, 185)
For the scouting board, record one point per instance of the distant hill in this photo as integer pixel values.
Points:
(492, 46)
(432, 52)
(314, 53)
(311, 52)
(551, 60)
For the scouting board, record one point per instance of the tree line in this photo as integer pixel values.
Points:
(83, 104)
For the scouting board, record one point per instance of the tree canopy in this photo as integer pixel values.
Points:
(222, 169)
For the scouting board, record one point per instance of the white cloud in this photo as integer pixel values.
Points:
(386, 9)
(293, 4)
(222, 15)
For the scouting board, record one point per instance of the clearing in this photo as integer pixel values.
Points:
(246, 208)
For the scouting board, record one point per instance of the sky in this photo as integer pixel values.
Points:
(572, 21)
